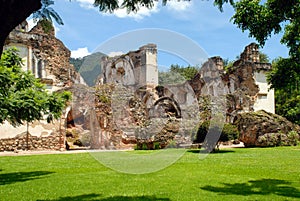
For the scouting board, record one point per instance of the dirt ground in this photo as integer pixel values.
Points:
(36, 152)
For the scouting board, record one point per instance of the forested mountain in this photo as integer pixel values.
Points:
(89, 67)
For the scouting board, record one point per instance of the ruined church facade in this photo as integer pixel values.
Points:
(134, 69)
(244, 84)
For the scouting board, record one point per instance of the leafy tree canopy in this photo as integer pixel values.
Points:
(263, 18)
(285, 79)
(22, 96)
(177, 74)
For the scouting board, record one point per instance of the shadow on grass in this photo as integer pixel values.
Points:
(14, 177)
(85, 197)
(135, 198)
(96, 197)
(257, 187)
(221, 151)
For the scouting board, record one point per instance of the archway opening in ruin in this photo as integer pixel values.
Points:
(168, 106)
(77, 130)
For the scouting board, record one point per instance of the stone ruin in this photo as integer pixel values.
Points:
(44, 55)
(128, 107)
(244, 84)
(137, 110)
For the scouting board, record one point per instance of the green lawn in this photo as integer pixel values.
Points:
(231, 174)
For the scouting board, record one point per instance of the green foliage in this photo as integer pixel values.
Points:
(229, 132)
(293, 138)
(220, 3)
(279, 139)
(263, 58)
(228, 65)
(131, 6)
(46, 25)
(288, 105)
(285, 75)
(188, 72)
(103, 93)
(22, 96)
(156, 145)
(285, 78)
(169, 78)
(263, 18)
(177, 74)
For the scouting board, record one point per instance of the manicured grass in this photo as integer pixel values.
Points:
(231, 174)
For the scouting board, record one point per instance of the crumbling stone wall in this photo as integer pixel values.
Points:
(45, 53)
(134, 69)
(144, 112)
(21, 142)
(237, 83)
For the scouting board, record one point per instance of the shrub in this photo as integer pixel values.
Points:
(278, 139)
(269, 140)
(86, 139)
(229, 132)
(293, 138)
(156, 145)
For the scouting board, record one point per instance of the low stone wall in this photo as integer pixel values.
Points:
(51, 142)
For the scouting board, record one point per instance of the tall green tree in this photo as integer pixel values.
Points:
(285, 79)
(264, 18)
(22, 97)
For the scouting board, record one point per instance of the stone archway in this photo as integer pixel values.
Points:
(169, 105)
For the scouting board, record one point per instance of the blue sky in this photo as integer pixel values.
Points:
(85, 28)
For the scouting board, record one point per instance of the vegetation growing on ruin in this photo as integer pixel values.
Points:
(47, 26)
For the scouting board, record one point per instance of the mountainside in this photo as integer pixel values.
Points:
(89, 67)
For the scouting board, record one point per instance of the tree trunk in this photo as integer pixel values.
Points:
(27, 136)
(12, 13)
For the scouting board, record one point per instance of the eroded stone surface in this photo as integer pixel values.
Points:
(253, 125)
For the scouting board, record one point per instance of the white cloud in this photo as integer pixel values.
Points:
(32, 23)
(112, 54)
(80, 52)
(88, 4)
(140, 14)
(179, 6)
(122, 13)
